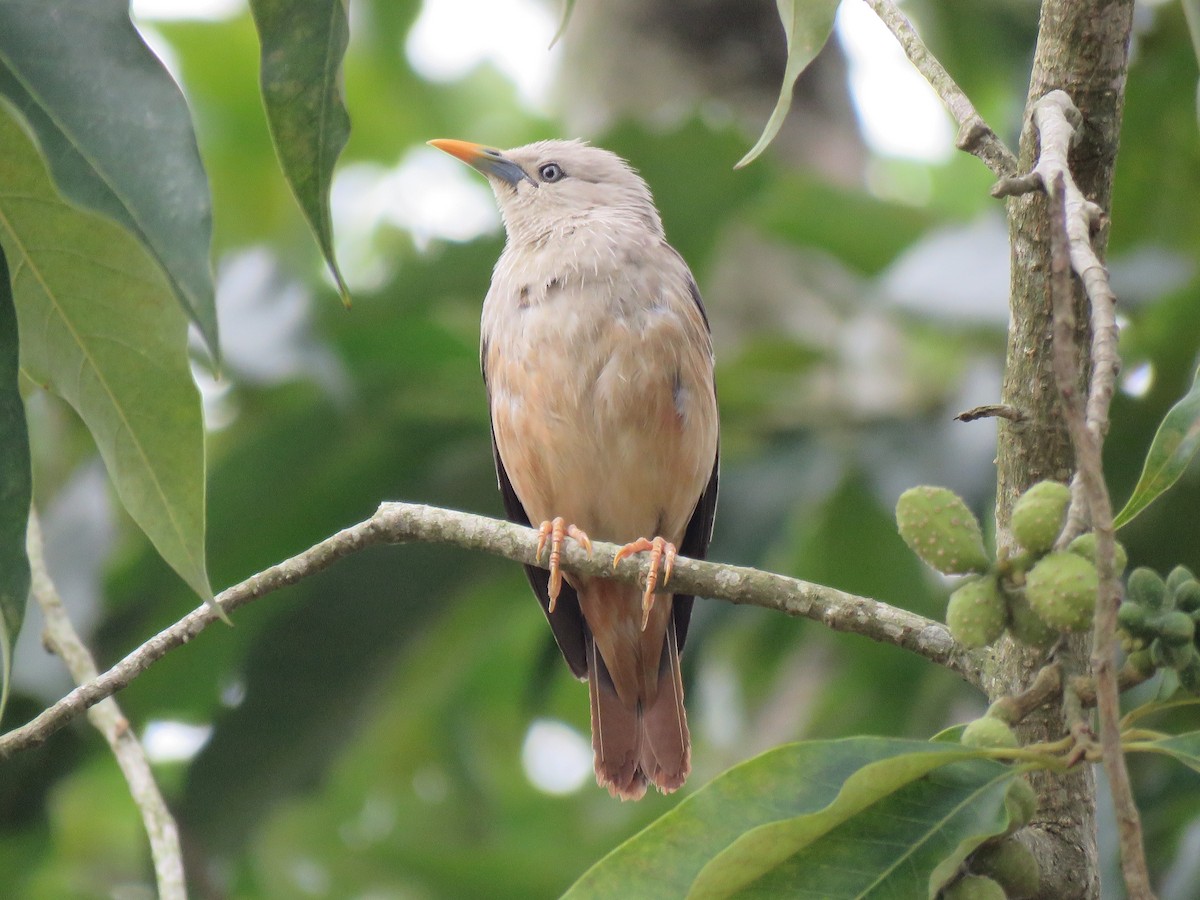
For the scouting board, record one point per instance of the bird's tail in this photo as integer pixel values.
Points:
(647, 743)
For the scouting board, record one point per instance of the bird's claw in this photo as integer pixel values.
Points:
(555, 531)
(662, 552)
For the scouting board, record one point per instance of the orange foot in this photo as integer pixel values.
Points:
(661, 551)
(554, 532)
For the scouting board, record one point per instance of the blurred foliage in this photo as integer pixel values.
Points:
(368, 724)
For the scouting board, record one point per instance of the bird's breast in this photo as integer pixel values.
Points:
(602, 398)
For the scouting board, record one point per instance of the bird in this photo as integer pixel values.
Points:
(597, 359)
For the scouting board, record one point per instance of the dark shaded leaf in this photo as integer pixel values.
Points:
(1174, 445)
(16, 486)
(303, 43)
(116, 132)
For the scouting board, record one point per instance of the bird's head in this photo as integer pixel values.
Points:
(552, 187)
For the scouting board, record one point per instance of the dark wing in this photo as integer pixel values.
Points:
(700, 526)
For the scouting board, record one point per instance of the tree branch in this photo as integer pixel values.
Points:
(397, 523)
(975, 136)
(1087, 445)
(62, 639)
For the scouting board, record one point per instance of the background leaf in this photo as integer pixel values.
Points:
(98, 327)
(1174, 445)
(303, 43)
(807, 24)
(116, 132)
(1184, 748)
(16, 486)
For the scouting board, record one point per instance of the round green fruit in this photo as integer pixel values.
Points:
(1024, 624)
(1135, 619)
(1011, 864)
(1179, 575)
(937, 525)
(1085, 546)
(1037, 516)
(974, 887)
(1145, 586)
(1061, 589)
(1020, 802)
(976, 613)
(988, 733)
(1176, 627)
(1187, 596)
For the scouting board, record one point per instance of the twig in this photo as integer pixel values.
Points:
(1056, 120)
(991, 411)
(975, 136)
(1047, 687)
(1087, 444)
(396, 523)
(106, 716)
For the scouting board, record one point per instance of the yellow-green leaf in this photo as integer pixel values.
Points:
(99, 327)
(1174, 445)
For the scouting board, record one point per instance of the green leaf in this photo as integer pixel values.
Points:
(116, 132)
(892, 826)
(16, 486)
(1184, 748)
(807, 24)
(793, 780)
(98, 326)
(1174, 445)
(568, 8)
(303, 42)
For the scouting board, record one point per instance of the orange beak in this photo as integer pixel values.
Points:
(489, 161)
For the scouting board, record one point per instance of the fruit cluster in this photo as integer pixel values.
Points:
(1035, 594)
(1158, 623)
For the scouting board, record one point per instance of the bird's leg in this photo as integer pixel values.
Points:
(555, 531)
(662, 552)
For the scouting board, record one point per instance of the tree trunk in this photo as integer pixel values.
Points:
(1083, 50)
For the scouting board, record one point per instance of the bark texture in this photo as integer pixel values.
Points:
(1083, 50)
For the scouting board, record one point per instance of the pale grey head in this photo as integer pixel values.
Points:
(554, 186)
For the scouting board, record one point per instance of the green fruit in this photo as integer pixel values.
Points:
(1135, 619)
(1085, 546)
(1037, 516)
(1142, 662)
(1024, 624)
(974, 887)
(1171, 656)
(1061, 589)
(976, 613)
(1176, 627)
(1145, 586)
(1187, 596)
(939, 528)
(1189, 676)
(989, 734)
(1179, 575)
(1012, 865)
(1020, 802)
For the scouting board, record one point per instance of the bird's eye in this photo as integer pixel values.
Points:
(551, 172)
